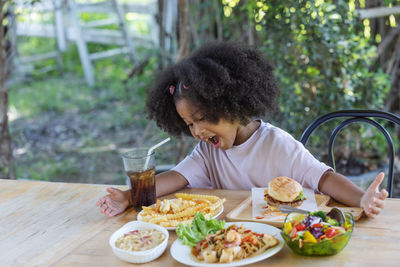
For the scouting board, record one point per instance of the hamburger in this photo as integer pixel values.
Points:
(283, 191)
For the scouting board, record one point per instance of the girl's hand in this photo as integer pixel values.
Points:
(372, 200)
(114, 203)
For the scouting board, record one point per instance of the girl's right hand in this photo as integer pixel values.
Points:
(373, 200)
(114, 203)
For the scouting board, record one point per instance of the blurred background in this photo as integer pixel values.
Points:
(74, 75)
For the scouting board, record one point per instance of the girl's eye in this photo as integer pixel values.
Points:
(202, 118)
(189, 125)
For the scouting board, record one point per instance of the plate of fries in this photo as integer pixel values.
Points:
(170, 212)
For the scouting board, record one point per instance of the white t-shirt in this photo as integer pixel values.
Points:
(268, 153)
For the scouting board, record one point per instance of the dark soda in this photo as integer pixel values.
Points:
(143, 188)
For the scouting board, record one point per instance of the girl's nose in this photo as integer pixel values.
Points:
(198, 131)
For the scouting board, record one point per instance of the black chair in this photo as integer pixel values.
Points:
(367, 116)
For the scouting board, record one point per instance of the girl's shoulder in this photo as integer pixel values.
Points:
(277, 140)
(271, 131)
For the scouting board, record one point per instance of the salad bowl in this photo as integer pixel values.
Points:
(316, 234)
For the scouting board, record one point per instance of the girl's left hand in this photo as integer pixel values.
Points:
(372, 200)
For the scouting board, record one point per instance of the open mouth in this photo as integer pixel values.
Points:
(214, 140)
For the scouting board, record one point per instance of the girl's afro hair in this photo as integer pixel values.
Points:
(224, 80)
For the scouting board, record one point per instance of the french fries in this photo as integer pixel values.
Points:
(171, 212)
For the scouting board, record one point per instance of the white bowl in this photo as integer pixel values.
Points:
(138, 256)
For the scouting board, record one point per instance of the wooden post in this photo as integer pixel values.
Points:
(125, 32)
(170, 19)
(59, 24)
(81, 43)
(167, 16)
(59, 33)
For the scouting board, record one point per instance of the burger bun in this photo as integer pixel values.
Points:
(284, 189)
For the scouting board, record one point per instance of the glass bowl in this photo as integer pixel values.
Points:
(325, 247)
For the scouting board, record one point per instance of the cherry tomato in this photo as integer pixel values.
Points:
(300, 227)
(316, 225)
(331, 232)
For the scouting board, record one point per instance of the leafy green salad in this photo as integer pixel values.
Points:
(191, 234)
(314, 227)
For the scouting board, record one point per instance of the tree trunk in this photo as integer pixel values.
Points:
(218, 21)
(184, 34)
(388, 55)
(6, 170)
(161, 25)
(184, 43)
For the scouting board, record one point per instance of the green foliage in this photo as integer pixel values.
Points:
(47, 168)
(321, 59)
(50, 95)
(374, 143)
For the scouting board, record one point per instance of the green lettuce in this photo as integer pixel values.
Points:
(332, 221)
(320, 214)
(191, 234)
(300, 196)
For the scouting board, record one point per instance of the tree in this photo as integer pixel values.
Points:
(6, 170)
(384, 31)
(321, 58)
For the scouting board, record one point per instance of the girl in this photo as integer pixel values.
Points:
(215, 96)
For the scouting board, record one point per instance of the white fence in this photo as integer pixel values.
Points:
(65, 25)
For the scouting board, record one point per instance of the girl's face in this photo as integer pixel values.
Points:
(223, 134)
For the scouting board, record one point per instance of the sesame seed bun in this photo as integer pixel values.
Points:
(284, 189)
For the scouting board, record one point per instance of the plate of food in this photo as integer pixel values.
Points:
(169, 213)
(281, 191)
(216, 243)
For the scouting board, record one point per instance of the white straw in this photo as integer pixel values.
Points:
(151, 151)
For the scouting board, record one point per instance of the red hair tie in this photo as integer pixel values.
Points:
(172, 89)
(185, 87)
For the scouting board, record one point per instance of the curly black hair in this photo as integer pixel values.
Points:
(223, 80)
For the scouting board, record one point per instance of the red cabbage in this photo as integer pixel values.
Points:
(310, 220)
(316, 232)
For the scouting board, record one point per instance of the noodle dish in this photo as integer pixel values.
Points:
(211, 241)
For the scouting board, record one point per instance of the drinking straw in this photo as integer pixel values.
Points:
(151, 151)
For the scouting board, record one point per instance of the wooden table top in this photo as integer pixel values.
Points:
(58, 224)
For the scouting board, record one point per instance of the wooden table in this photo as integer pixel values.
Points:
(57, 224)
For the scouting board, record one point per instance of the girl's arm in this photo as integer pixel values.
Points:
(343, 190)
(169, 182)
(340, 188)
